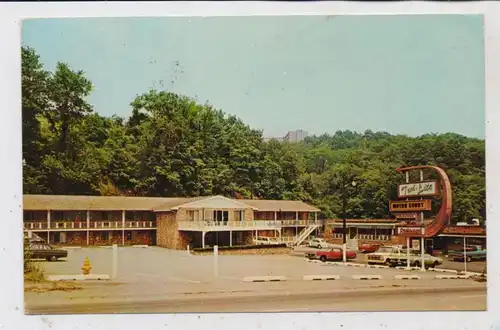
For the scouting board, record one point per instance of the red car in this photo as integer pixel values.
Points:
(368, 247)
(334, 254)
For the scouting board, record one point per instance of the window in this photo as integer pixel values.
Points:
(56, 216)
(105, 216)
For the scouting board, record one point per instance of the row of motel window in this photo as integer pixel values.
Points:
(214, 215)
(239, 215)
(82, 215)
(366, 237)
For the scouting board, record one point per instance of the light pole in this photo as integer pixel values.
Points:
(344, 220)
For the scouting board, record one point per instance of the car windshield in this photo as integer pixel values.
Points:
(384, 249)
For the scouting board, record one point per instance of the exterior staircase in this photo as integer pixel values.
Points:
(304, 234)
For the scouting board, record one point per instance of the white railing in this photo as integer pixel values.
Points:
(227, 224)
(375, 237)
(305, 234)
(338, 235)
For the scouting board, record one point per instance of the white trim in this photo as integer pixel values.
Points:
(458, 236)
(190, 204)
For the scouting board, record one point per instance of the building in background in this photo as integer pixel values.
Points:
(291, 136)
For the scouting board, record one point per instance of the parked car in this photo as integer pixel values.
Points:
(318, 243)
(333, 254)
(472, 252)
(266, 241)
(368, 247)
(395, 255)
(45, 251)
(384, 253)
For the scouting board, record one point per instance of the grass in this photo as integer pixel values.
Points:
(34, 272)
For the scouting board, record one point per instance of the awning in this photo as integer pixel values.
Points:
(461, 236)
(365, 225)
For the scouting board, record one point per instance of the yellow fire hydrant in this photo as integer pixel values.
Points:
(86, 266)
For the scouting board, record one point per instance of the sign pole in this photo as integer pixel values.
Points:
(422, 250)
(407, 238)
(465, 255)
(216, 261)
(408, 252)
(115, 261)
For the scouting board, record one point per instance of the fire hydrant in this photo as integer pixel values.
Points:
(86, 266)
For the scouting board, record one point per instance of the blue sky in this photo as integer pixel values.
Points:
(401, 74)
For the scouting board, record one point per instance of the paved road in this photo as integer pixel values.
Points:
(315, 302)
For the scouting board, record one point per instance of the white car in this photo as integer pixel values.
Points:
(266, 241)
(318, 243)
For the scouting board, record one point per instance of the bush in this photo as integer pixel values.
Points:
(32, 270)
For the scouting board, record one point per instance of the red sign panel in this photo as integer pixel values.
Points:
(407, 216)
(409, 231)
(409, 206)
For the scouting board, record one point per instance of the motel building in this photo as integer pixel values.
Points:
(385, 232)
(168, 222)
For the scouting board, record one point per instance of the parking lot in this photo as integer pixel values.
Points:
(474, 266)
(158, 265)
(155, 273)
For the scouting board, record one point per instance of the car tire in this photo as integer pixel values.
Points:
(416, 264)
(435, 264)
(52, 258)
(323, 258)
(469, 259)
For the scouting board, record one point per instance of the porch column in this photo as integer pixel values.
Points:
(203, 239)
(48, 226)
(275, 217)
(123, 227)
(316, 217)
(296, 223)
(88, 226)
(230, 238)
(375, 233)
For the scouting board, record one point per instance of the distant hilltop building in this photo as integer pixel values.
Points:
(291, 136)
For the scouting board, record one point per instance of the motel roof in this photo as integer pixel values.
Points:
(158, 204)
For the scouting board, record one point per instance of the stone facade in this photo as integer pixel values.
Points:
(167, 233)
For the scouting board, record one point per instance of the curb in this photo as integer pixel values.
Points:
(320, 277)
(366, 277)
(253, 279)
(349, 264)
(407, 277)
(78, 277)
(140, 246)
(71, 247)
(314, 261)
(377, 266)
(105, 247)
(451, 277)
(443, 270)
(408, 269)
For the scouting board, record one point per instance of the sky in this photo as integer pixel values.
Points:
(409, 75)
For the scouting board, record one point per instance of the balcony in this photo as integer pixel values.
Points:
(35, 225)
(94, 225)
(241, 225)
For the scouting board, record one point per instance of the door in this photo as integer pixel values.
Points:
(63, 237)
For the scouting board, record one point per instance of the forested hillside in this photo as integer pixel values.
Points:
(173, 146)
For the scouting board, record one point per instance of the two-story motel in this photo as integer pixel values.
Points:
(167, 222)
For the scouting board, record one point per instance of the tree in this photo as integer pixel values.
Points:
(173, 146)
